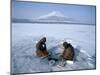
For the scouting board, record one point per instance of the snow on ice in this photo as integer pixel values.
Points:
(26, 35)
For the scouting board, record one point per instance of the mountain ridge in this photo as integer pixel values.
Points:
(51, 18)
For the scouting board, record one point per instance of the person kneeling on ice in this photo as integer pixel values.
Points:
(68, 54)
(41, 50)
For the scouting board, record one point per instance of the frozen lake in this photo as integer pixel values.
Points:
(25, 35)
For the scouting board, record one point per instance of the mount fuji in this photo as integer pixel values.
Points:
(54, 16)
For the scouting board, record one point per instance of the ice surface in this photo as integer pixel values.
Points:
(25, 36)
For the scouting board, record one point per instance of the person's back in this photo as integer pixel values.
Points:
(41, 49)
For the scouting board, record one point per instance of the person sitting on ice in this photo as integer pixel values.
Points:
(41, 49)
(68, 53)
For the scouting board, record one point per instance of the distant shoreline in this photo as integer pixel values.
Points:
(55, 23)
(47, 22)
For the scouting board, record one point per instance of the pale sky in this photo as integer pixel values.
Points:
(31, 10)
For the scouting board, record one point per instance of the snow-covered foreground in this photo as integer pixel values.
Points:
(25, 36)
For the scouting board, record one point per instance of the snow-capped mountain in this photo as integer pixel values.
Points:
(54, 16)
(53, 13)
